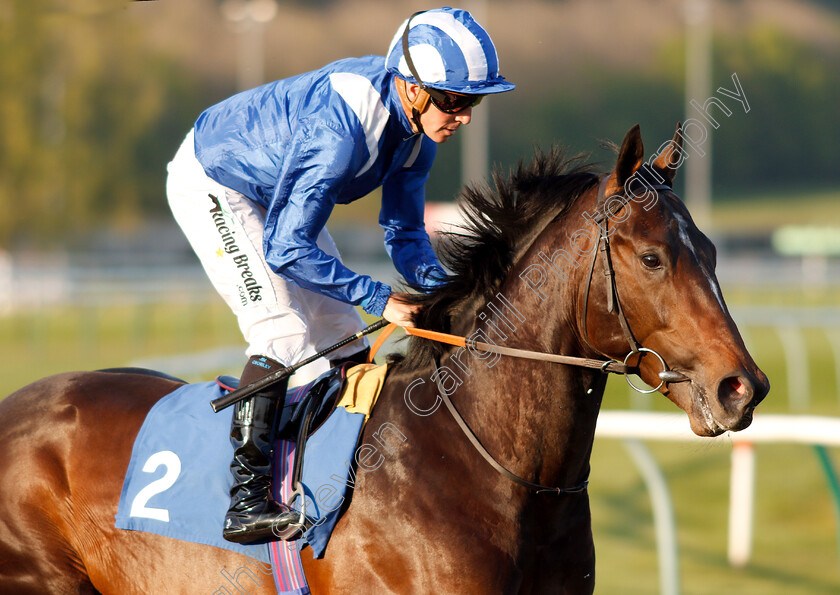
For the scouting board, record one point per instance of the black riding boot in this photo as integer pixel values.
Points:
(253, 514)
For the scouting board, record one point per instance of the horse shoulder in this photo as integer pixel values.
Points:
(416, 512)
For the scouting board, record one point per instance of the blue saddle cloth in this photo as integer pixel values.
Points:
(178, 479)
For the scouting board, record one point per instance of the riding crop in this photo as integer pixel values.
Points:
(246, 391)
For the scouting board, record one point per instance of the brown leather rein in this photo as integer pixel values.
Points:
(613, 306)
(614, 366)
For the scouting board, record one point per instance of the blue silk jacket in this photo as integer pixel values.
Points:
(299, 146)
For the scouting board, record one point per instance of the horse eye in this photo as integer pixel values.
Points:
(651, 261)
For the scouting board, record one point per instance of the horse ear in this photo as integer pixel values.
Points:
(630, 158)
(671, 155)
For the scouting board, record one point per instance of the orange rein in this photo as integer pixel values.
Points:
(613, 366)
(380, 340)
(417, 332)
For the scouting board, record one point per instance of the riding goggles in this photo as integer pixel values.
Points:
(452, 103)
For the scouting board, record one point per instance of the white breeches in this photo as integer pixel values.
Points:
(277, 317)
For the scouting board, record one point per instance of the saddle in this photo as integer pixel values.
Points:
(304, 416)
(298, 420)
(177, 483)
(305, 411)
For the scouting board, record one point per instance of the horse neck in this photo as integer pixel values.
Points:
(537, 418)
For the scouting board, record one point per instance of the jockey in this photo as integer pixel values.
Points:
(256, 179)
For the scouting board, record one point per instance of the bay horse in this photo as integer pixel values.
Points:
(556, 259)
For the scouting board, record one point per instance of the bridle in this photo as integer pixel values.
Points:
(602, 219)
(617, 202)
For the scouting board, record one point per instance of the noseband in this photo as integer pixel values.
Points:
(602, 221)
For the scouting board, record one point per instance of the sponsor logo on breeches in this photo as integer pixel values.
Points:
(251, 286)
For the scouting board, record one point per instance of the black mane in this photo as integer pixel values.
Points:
(500, 223)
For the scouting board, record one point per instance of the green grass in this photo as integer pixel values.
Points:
(49, 341)
(795, 539)
(795, 549)
(768, 211)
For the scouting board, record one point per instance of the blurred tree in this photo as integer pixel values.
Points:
(787, 140)
(89, 120)
(90, 115)
(789, 137)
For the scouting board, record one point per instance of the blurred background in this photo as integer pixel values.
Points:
(96, 96)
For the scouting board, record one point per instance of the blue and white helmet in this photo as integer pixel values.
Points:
(450, 51)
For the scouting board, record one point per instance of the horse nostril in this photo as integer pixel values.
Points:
(737, 386)
(734, 390)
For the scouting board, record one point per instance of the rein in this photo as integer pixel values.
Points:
(538, 488)
(605, 366)
(614, 366)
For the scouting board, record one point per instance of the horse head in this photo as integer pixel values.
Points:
(663, 296)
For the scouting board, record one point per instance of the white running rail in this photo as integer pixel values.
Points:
(634, 426)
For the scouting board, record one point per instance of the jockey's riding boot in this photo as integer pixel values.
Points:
(360, 357)
(253, 514)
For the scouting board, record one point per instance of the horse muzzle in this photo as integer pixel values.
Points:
(728, 404)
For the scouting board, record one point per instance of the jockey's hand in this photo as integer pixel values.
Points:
(398, 311)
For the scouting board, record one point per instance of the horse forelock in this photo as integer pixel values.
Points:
(501, 222)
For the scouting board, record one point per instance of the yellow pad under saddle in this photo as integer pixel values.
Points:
(362, 387)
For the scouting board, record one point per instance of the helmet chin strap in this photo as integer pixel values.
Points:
(421, 100)
(415, 118)
(417, 106)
